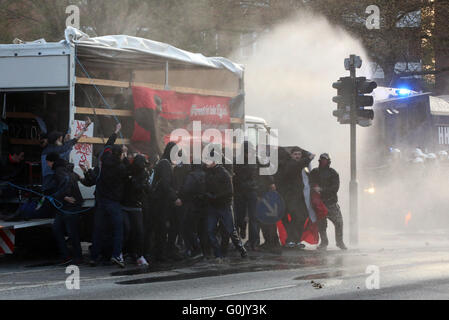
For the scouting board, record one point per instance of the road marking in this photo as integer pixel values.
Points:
(246, 292)
(54, 283)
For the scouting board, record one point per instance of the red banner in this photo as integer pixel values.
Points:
(158, 113)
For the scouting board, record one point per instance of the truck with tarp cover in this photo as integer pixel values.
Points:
(149, 87)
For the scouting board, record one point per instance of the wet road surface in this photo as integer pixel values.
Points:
(401, 267)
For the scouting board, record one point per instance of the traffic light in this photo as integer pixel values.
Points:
(365, 115)
(345, 94)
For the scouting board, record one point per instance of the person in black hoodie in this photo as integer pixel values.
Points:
(219, 199)
(110, 181)
(177, 216)
(136, 189)
(192, 194)
(164, 199)
(67, 218)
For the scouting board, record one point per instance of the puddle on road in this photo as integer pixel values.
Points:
(209, 273)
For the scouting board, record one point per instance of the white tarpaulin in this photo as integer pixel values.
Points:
(123, 46)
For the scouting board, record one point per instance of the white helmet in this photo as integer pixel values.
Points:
(442, 155)
(417, 153)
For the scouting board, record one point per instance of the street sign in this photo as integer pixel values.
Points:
(270, 208)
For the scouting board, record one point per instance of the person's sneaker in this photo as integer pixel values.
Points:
(243, 252)
(142, 262)
(342, 246)
(290, 245)
(118, 261)
(300, 246)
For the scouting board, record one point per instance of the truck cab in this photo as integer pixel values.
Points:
(254, 127)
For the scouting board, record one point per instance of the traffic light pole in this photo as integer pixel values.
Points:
(353, 185)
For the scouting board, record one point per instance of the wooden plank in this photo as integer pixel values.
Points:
(20, 115)
(26, 142)
(101, 82)
(104, 112)
(102, 140)
(123, 84)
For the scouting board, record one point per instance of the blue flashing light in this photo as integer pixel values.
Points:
(404, 92)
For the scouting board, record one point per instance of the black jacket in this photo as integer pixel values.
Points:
(264, 184)
(180, 173)
(193, 190)
(136, 185)
(163, 187)
(219, 187)
(245, 178)
(290, 177)
(66, 185)
(329, 181)
(112, 178)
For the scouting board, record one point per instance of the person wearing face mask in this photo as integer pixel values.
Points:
(165, 199)
(328, 181)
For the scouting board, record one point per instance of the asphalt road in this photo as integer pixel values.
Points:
(399, 266)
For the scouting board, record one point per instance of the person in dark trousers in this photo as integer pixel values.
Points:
(148, 211)
(328, 181)
(164, 199)
(177, 216)
(136, 190)
(245, 198)
(269, 231)
(192, 194)
(110, 183)
(292, 191)
(219, 198)
(67, 218)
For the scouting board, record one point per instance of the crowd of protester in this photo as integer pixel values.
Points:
(150, 210)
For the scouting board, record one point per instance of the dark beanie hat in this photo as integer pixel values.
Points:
(52, 137)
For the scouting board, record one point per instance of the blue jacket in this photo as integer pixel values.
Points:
(63, 151)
